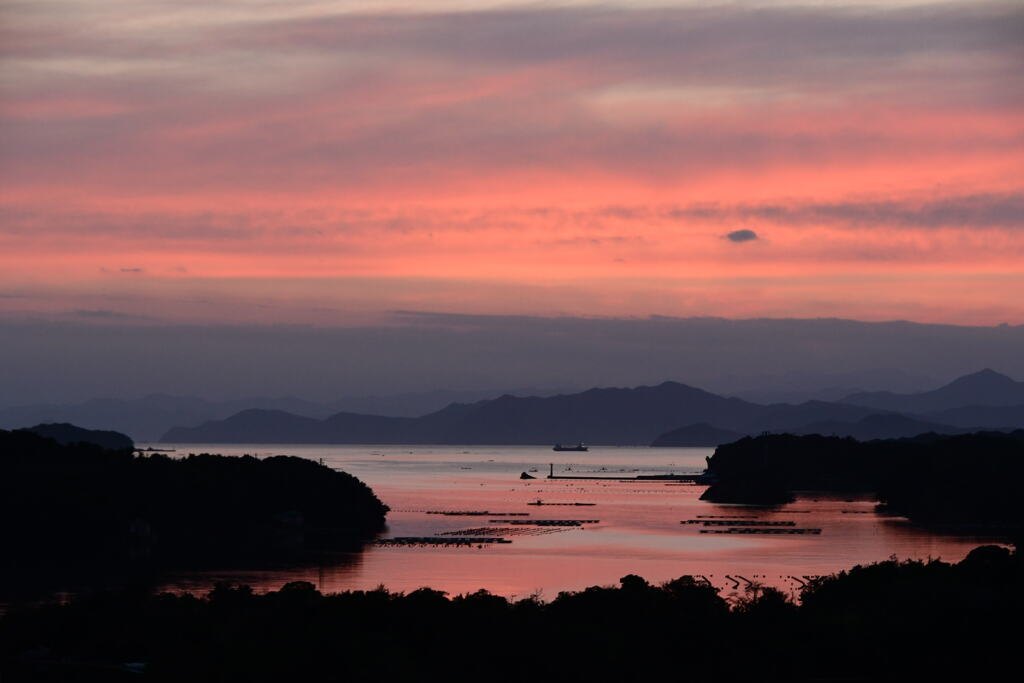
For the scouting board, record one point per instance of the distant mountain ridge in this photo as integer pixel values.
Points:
(610, 416)
(701, 434)
(149, 417)
(606, 416)
(879, 426)
(983, 388)
(981, 400)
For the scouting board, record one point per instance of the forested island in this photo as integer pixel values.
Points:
(971, 480)
(892, 620)
(79, 504)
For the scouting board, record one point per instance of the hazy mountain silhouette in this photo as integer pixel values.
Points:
(868, 428)
(832, 386)
(666, 414)
(701, 434)
(759, 360)
(147, 418)
(988, 417)
(984, 388)
(597, 416)
(879, 426)
(66, 434)
(257, 426)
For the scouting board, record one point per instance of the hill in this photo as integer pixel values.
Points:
(879, 426)
(75, 505)
(610, 416)
(982, 417)
(64, 433)
(984, 388)
(701, 434)
(639, 415)
(966, 479)
(149, 417)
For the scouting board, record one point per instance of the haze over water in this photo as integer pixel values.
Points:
(639, 531)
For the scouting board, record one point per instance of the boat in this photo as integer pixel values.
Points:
(570, 447)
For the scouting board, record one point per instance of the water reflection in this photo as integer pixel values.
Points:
(327, 573)
(639, 531)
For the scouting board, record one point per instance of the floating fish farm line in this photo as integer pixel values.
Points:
(737, 522)
(504, 531)
(477, 513)
(761, 530)
(440, 540)
(546, 522)
(563, 504)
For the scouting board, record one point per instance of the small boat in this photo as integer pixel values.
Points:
(570, 447)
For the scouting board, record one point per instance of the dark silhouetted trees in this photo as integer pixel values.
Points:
(971, 480)
(79, 504)
(890, 620)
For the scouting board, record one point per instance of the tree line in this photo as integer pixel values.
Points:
(909, 620)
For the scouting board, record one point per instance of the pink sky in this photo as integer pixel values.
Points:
(326, 162)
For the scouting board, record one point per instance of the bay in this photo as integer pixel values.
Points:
(639, 529)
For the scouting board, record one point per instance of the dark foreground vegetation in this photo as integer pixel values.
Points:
(73, 505)
(891, 620)
(971, 480)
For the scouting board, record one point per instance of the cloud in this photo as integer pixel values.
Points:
(133, 270)
(741, 236)
(410, 100)
(521, 144)
(977, 211)
(980, 211)
(106, 314)
(298, 230)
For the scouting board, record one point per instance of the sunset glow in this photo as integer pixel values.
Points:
(321, 162)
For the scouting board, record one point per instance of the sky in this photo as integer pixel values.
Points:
(336, 163)
(766, 360)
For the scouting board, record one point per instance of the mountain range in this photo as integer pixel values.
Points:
(667, 414)
(149, 417)
(985, 388)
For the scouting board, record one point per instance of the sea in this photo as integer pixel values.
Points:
(659, 530)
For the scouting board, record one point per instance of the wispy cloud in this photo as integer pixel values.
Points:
(510, 141)
(363, 100)
(106, 314)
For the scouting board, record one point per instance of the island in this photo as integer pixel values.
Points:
(74, 504)
(966, 482)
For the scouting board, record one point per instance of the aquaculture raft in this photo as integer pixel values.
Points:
(546, 522)
(762, 530)
(441, 540)
(736, 522)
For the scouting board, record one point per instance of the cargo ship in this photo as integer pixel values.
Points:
(570, 447)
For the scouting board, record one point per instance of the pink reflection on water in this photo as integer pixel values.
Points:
(639, 531)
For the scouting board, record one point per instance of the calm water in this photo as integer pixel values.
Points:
(639, 530)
